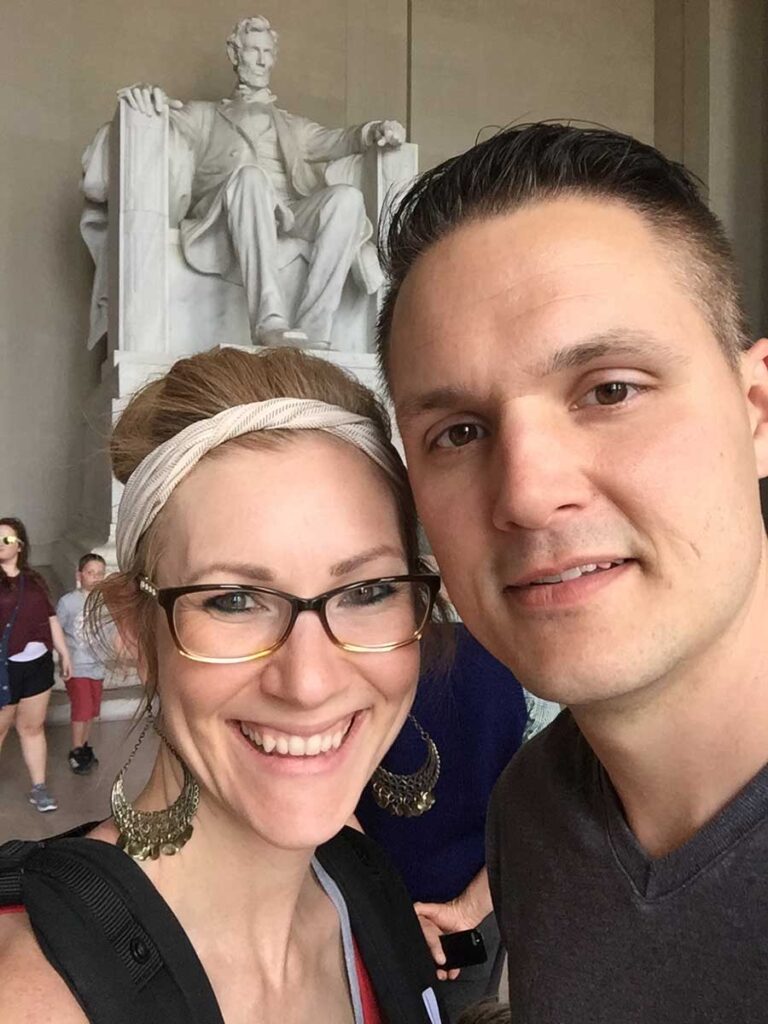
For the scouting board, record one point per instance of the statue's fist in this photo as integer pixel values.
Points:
(147, 99)
(386, 133)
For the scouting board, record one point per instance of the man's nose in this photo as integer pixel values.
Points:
(539, 473)
(308, 669)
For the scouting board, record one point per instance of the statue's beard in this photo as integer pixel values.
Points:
(255, 79)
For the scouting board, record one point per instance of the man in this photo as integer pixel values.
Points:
(256, 175)
(585, 422)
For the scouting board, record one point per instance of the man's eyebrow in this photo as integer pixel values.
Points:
(349, 565)
(618, 342)
(439, 398)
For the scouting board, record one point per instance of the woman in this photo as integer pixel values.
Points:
(237, 498)
(30, 630)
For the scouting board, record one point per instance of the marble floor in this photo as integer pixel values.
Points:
(80, 797)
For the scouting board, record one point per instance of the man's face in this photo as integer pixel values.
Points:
(256, 59)
(564, 405)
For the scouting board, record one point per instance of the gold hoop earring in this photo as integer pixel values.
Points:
(408, 796)
(145, 834)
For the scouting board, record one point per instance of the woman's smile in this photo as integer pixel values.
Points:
(310, 752)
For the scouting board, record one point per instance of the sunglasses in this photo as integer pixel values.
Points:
(10, 540)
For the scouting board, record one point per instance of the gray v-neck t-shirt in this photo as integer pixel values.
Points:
(599, 933)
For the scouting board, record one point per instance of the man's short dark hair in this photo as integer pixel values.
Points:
(547, 160)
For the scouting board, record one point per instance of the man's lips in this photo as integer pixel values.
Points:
(567, 589)
(566, 571)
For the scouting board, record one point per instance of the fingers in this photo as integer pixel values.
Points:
(150, 100)
(390, 133)
(159, 99)
(432, 935)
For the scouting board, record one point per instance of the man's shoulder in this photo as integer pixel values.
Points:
(553, 760)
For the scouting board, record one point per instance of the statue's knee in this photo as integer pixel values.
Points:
(249, 179)
(347, 200)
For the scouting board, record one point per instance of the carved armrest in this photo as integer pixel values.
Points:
(379, 173)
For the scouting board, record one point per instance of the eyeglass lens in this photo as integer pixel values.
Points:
(237, 623)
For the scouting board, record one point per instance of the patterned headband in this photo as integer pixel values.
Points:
(155, 478)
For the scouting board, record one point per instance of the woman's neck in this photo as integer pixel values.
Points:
(268, 896)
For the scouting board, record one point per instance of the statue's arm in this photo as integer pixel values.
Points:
(322, 144)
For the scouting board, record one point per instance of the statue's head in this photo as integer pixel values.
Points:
(252, 48)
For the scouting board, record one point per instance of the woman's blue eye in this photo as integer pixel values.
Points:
(240, 601)
(460, 435)
(365, 596)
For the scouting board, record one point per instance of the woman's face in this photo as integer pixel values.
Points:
(9, 553)
(311, 515)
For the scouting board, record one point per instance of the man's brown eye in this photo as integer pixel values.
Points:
(462, 434)
(611, 393)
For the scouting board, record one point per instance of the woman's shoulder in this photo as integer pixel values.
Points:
(31, 991)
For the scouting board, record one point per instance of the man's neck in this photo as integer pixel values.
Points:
(681, 750)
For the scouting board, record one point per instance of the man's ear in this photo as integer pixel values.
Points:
(754, 369)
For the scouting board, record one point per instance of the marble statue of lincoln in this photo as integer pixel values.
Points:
(258, 175)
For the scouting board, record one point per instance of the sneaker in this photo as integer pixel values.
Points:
(91, 755)
(78, 761)
(40, 798)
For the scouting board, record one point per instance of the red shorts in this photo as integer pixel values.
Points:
(85, 697)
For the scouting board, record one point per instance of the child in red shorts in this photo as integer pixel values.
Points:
(85, 683)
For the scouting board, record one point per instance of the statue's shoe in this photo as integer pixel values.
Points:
(288, 338)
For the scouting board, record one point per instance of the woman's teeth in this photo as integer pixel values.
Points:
(296, 746)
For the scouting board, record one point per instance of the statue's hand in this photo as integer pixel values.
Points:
(386, 133)
(284, 217)
(147, 99)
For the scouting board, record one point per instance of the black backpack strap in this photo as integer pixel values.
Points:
(12, 857)
(104, 928)
(384, 924)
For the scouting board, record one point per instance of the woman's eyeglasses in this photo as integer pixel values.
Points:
(10, 540)
(226, 623)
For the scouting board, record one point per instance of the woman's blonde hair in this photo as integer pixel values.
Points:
(195, 389)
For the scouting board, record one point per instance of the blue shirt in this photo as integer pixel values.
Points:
(475, 711)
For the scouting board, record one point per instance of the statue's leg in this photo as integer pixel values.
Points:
(333, 219)
(250, 203)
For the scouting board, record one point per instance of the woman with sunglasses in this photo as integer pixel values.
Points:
(270, 591)
(29, 630)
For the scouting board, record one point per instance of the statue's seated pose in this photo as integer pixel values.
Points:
(256, 174)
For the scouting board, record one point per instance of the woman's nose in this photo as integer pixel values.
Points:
(308, 669)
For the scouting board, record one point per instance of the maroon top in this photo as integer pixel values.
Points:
(32, 619)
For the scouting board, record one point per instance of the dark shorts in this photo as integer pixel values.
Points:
(28, 678)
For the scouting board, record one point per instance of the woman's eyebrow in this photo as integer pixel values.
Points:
(227, 569)
(349, 565)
